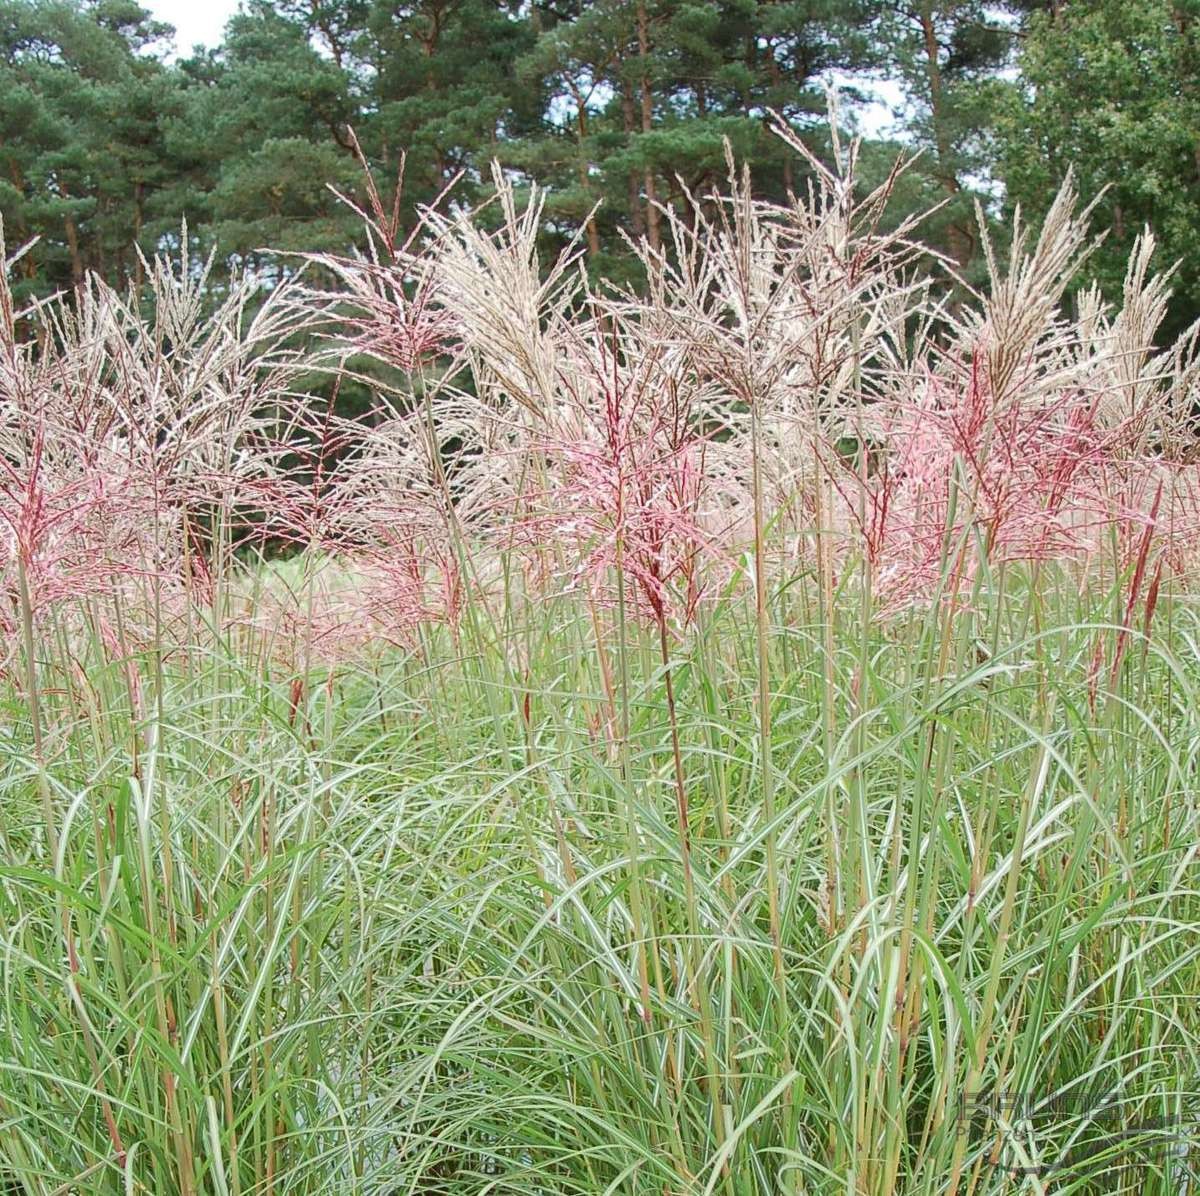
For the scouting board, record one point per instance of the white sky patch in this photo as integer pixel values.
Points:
(199, 22)
(879, 113)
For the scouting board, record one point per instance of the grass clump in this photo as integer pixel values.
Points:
(735, 739)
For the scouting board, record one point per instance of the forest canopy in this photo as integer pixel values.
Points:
(109, 140)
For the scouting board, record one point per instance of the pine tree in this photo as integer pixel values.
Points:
(439, 81)
(950, 56)
(81, 146)
(268, 122)
(1111, 91)
(643, 95)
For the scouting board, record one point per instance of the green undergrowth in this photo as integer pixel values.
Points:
(422, 922)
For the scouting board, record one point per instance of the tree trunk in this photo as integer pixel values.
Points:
(653, 235)
(72, 232)
(636, 216)
(1185, 23)
(961, 242)
(20, 225)
(139, 193)
(789, 179)
(585, 183)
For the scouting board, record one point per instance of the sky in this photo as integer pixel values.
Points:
(876, 116)
(195, 21)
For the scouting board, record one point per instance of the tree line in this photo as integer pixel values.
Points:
(615, 107)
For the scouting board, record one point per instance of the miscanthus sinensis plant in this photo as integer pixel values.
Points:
(735, 736)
